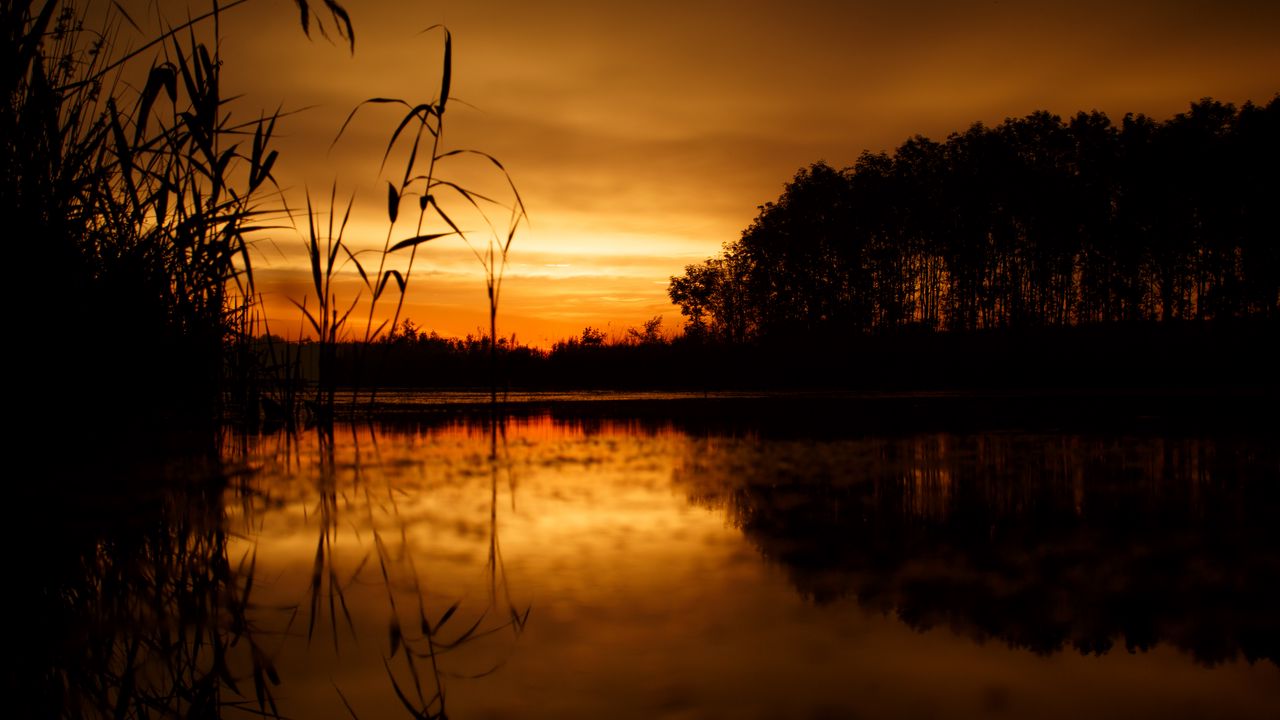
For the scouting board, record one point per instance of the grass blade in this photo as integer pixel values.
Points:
(418, 240)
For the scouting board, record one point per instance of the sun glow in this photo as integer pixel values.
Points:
(640, 146)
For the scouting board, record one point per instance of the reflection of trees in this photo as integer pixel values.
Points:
(1043, 542)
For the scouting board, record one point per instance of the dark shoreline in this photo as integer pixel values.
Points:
(820, 413)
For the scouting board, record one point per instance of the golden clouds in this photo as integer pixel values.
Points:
(653, 131)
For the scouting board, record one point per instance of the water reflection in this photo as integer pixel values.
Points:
(1044, 542)
(126, 601)
(370, 574)
(570, 567)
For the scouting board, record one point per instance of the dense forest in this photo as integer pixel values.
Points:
(1035, 223)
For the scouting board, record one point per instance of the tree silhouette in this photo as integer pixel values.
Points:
(1037, 222)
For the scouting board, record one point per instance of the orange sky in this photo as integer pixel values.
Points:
(644, 136)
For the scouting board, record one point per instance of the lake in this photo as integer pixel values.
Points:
(552, 565)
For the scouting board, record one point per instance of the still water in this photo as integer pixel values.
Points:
(550, 567)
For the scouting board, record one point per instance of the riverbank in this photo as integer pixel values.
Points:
(838, 411)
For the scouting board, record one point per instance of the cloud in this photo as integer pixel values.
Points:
(643, 137)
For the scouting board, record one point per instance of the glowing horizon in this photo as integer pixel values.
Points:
(641, 142)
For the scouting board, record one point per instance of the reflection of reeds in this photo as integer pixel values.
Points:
(147, 616)
(324, 583)
(148, 608)
(419, 634)
(438, 637)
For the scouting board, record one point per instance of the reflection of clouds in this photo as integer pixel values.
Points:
(644, 601)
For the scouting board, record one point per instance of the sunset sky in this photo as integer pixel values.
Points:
(644, 136)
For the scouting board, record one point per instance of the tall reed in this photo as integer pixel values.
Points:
(322, 253)
(422, 129)
(130, 204)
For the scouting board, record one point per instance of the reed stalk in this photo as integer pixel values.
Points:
(133, 190)
(421, 178)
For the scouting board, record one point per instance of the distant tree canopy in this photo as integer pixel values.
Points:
(1036, 222)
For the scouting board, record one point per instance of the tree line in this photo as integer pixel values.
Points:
(1038, 222)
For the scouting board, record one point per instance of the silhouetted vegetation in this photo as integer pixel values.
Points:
(1037, 254)
(408, 357)
(423, 177)
(1168, 357)
(132, 189)
(1035, 223)
(128, 187)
